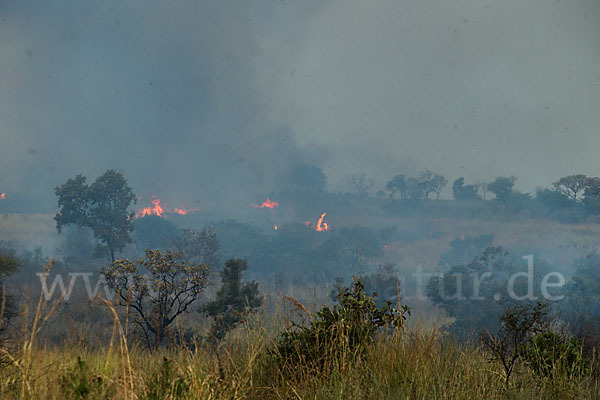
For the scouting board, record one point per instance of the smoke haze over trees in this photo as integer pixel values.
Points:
(213, 102)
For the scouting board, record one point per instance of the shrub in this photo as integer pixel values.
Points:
(517, 325)
(548, 353)
(337, 334)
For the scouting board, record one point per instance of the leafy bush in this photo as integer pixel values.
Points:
(548, 353)
(339, 334)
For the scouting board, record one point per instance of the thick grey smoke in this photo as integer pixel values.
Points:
(209, 101)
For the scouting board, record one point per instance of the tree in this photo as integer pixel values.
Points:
(307, 178)
(591, 201)
(154, 232)
(571, 185)
(415, 190)
(163, 288)
(233, 299)
(557, 203)
(462, 191)
(476, 293)
(101, 206)
(517, 325)
(439, 182)
(502, 188)
(420, 188)
(432, 183)
(361, 184)
(200, 245)
(581, 306)
(483, 186)
(397, 185)
(465, 249)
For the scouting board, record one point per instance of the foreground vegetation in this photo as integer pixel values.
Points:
(353, 350)
(417, 366)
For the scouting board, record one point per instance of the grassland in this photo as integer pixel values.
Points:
(417, 363)
(420, 363)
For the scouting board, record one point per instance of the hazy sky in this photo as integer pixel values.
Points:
(210, 100)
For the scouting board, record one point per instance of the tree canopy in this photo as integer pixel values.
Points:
(158, 289)
(233, 298)
(101, 206)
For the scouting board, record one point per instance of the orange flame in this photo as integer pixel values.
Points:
(156, 210)
(184, 211)
(275, 227)
(2, 196)
(322, 226)
(268, 204)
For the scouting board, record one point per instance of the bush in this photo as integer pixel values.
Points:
(336, 335)
(517, 325)
(548, 353)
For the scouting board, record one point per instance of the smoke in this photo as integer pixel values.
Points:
(468, 88)
(212, 101)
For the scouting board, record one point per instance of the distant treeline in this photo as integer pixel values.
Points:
(571, 199)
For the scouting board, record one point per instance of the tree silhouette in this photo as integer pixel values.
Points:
(101, 206)
(571, 185)
(159, 292)
(233, 299)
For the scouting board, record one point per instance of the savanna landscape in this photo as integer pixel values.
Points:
(341, 199)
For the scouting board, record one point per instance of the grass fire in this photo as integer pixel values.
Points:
(299, 200)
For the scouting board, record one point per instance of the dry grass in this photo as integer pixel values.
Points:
(418, 364)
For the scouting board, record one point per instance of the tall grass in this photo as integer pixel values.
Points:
(413, 363)
(416, 366)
